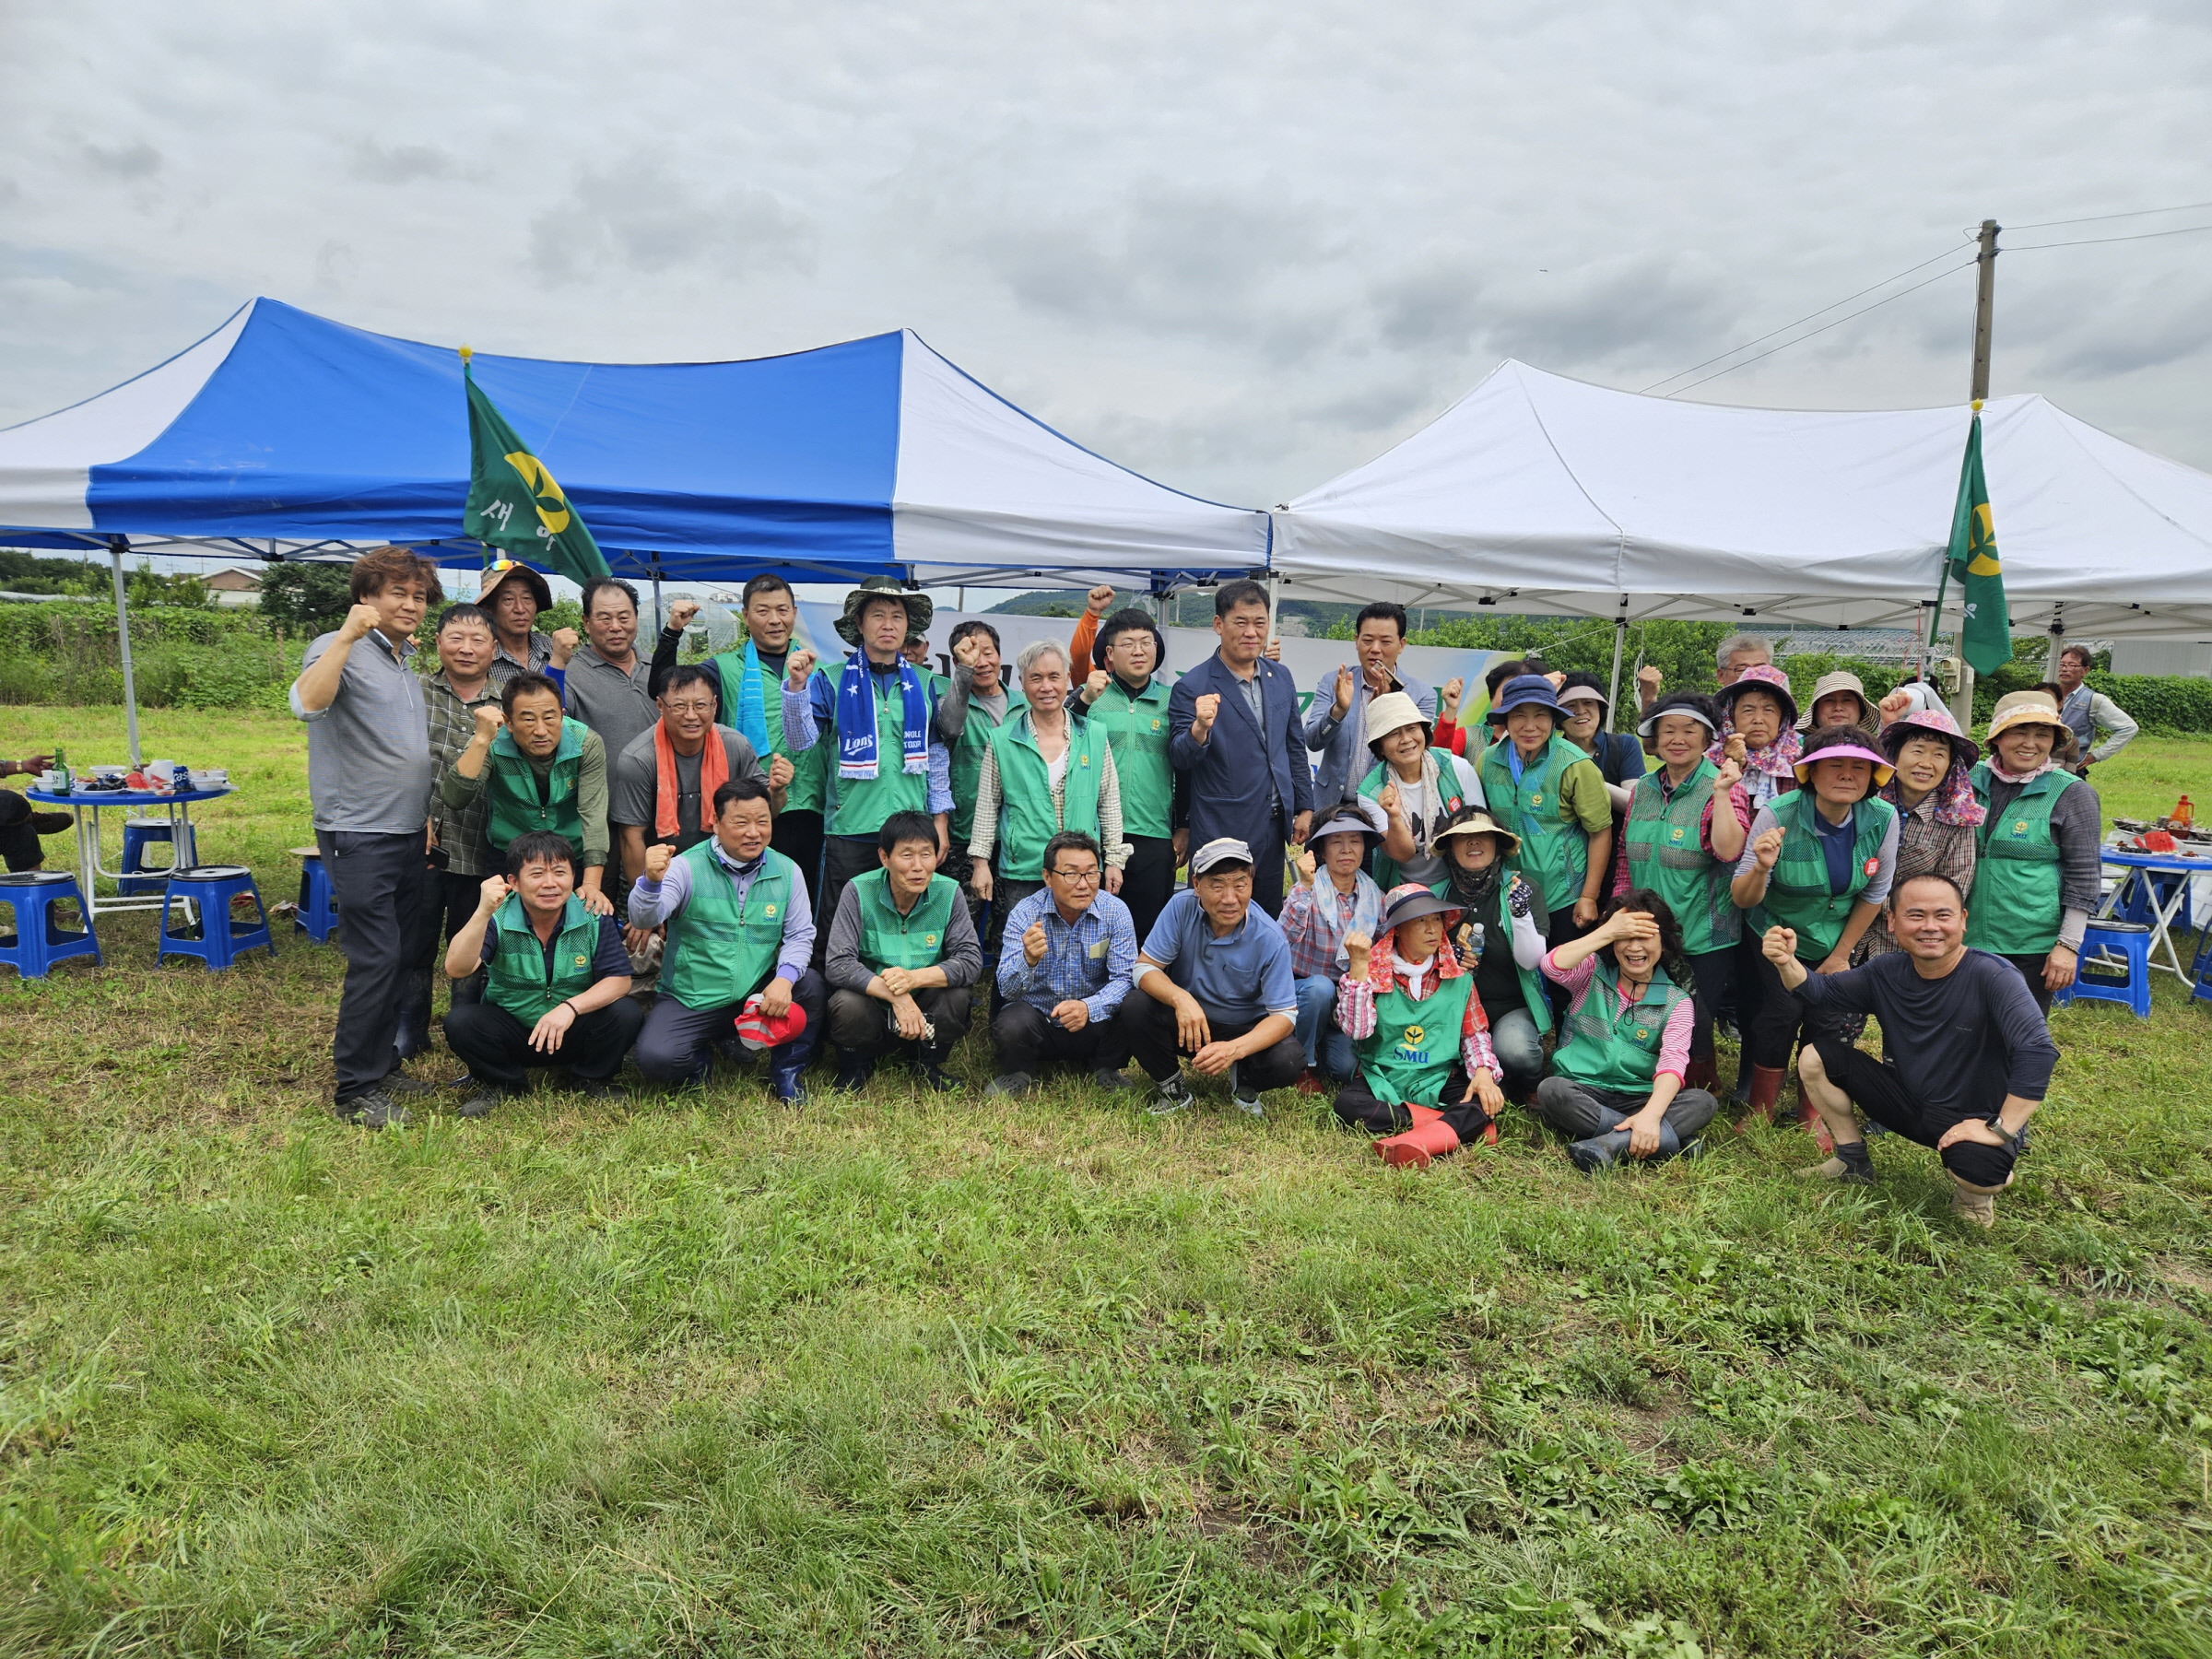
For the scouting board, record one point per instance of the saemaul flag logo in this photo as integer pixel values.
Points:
(1985, 633)
(514, 502)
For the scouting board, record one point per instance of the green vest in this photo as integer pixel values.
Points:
(862, 804)
(805, 792)
(1555, 849)
(1797, 889)
(1605, 1045)
(1498, 936)
(2015, 909)
(967, 757)
(720, 951)
(1415, 1044)
(515, 977)
(1447, 787)
(511, 784)
(1025, 793)
(1667, 855)
(1137, 730)
(915, 940)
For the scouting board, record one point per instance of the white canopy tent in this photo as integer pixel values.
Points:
(1548, 496)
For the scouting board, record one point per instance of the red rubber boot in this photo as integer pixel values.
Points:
(1419, 1144)
(1766, 1088)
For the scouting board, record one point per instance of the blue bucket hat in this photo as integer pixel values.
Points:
(1525, 690)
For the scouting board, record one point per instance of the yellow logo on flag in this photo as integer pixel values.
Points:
(1982, 543)
(555, 518)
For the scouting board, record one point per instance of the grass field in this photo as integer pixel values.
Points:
(901, 1375)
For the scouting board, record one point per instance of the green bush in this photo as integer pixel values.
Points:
(2175, 704)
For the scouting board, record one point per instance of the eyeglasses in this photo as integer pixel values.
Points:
(1079, 878)
(691, 708)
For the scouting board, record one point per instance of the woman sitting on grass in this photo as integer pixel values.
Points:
(1624, 1043)
(1426, 1070)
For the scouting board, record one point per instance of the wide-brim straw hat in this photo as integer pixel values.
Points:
(1761, 676)
(1387, 712)
(1475, 821)
(1936, 722)
(919, 608)
(2024, 708)
(1828, 685)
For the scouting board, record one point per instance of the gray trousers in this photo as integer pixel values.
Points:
(1580, 1111)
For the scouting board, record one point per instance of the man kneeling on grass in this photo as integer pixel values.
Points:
(556, 988)
(901, 958)
(1408, 1003)
(740, 932)
(1215, 982)
(1968, 1053)
(1065, 962)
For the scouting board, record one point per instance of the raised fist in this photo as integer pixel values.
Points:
(361, 620)
(493, 894)
(1779, 944)
(1649, 679)
(1356, 948)
(1307, 866)
(1390, 801)
(1520, 898)
(798, 667)
(1034, 943)
(1203, 713)
(1447, 699)
(1766, 849)
(1895, 704)
(681, 613)
(1094, 685)
(490, 717)
(656, 860)
(1729, 775)
(564, 647)
(780, 772)
(968, 650)
(1100, 600)
(1735, 749)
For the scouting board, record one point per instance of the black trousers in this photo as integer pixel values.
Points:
(861, 1026)
(19, 842)
(1357, 1108)
(1266, 880)
(379, 882)
(1148, 880)
(1147, 1026)
(843, 857)
(1885, 1095)
(676, 1040)
(1028, 1040)
(2031, 969)
(1783, 1019)
(1715, 972)
(798, 836)
(496, 1045)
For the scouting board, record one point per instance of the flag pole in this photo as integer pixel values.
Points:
(1985, 304)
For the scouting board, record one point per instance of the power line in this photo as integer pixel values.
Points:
(2086, 241)
(2098, 219)
(1807, 318)
(1824, 327)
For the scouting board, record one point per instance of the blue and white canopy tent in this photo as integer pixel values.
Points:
(285, 435)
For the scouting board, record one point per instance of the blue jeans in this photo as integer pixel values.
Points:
(1329, 1050)
(1519, 1051)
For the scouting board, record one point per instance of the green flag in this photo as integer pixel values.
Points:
(1985, 628)
(513, 503)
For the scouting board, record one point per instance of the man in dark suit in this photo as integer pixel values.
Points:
(1238, 736)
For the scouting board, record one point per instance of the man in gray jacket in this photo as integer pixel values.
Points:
(2088, 712)
(1337, 718)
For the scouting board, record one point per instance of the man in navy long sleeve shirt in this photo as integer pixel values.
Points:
(1969, 1055)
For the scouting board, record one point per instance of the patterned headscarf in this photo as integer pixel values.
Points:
(1954, 797)
(1382, 959)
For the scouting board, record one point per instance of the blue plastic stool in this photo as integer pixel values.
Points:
(2146, 887)
(2130, 941)
(32, 894)
(140, 833)
(317, 911)
(2200, 971)
(212, 888)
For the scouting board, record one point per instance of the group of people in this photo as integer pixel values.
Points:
(1425, 924)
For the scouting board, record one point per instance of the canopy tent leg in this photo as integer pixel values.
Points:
(1275, 601)
(1620, 634)
(2058, 643)
(117, 544)
(1962, 699)
(659, 616)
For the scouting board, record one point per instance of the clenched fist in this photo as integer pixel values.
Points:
(1766, 849)
(1779, 944)
(1447, 700)
(1735, 749)
(1094, 685)
(780, 772)
(1307, 866)
(1034, 943)
(657, 857)
(1356, 948)
(361, 620)
(1730, 774)
(564, 647)
(1100, 600)
(493, 894)
(490, 717)
(1203, 713)
(798, 667)
(681, 613)
(1895, 704)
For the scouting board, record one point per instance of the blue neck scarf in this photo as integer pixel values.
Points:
(751, 702)
(856, 756)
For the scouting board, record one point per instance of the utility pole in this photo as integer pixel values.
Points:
(1985, 300)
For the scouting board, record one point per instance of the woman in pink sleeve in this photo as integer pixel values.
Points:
(1616, 1088)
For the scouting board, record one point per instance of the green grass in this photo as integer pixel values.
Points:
(911, 1376)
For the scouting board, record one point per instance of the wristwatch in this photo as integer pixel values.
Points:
(2016, 1140)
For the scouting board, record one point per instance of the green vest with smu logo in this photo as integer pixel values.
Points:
(862, 804)
(1137, 730)
(721, 951)
(914, 940)
(1667, 854)
(1797, 889)
(515, 978)
(967, 757)
(1415, 1044)
(1025, 819)
(2015, 909)
(512, 784)
(805, 792)
(1442, 810)
(1497, 935)
(1605, 1045)
(1555, 849)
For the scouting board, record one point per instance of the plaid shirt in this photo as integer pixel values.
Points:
(1316, 926)
(452, 729)
(1089, 962)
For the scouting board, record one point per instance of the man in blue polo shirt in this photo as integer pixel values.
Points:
(1214, 981)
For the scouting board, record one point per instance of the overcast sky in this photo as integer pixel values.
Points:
(1239, 247)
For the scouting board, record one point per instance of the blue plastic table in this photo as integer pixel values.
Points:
(86, 806)
(2160, 912)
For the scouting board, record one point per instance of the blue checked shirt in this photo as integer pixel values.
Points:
(1089, 962)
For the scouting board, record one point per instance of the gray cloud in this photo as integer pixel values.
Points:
(139, 160)
(640, 215)
(400, 164)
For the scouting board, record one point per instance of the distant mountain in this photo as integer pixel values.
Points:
(1306, 616)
